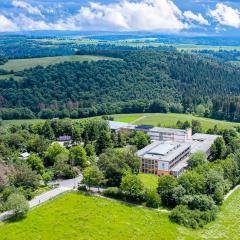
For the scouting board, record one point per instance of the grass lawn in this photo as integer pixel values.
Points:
(76, 216)
(150, 181)
(170, 120)
(21, 64)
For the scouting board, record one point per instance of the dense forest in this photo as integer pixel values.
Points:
(144, 80)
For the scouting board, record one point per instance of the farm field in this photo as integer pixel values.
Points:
(170, 120)
(76, 216)
(21, 64)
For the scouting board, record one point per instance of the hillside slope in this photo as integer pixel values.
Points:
(147, 76)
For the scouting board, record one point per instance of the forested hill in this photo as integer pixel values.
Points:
(144, 81)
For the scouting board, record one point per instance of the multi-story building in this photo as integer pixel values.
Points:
(161, 156)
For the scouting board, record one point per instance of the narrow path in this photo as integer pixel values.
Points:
(231, 192)
(64, 186)
(138, 119)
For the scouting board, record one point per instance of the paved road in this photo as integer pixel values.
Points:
(64, 186)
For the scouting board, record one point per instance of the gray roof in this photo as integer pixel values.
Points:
(168, 130)
(118, 125)
(163, 151)
(202, 142)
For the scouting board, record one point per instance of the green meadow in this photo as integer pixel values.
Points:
(75, 216)
(170, 120)
(21, 64)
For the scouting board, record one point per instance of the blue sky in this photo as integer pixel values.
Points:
(206, 17)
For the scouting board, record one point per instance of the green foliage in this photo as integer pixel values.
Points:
(191, 218)
(18, 204)
(140, 139)
(132, 188)
(218, 149)
(78, 156)
(93, 177)
(24, 177)
(152, 198)
(36, 163)
(166, 185)
(103, 142)
(113, 192)
(196, 159)
(115, 164)
(53, 151)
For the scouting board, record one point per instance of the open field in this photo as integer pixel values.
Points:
(150, 181)
(165, 120)
(170, 120)
(76, 216)
(21, 64)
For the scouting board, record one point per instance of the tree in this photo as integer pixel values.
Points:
(196, 126)
(18, 204)
(47, 130)
(103, 142)
(166, 185)
(25, 177)
(53, 151)
(36, 163)
(192, 182)
(218, 149)
(132, 187)
(200, 110)
(78, 156)
(37, 144)
(196, 159)
(92, 177)
(141, 140)
(90, 150)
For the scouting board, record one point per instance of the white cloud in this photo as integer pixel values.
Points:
(129, 15)
(226, 15)
(125, 15)
(7, 25)
(28, 7)
(196, 17)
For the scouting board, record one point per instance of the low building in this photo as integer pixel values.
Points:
(155, 133)
(24, 155)
(202, 142)
(161, 156)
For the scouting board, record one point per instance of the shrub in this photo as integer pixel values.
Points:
(192, 218)
(82, 188)
(18, 204)
(113, 192)
(152, 199)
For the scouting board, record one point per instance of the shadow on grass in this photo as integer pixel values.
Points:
(14, 219)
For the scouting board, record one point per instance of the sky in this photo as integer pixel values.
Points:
(203, 17)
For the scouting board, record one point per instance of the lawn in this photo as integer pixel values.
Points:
(170, 120)
(150, 181)
(21, 64)
(76, 216)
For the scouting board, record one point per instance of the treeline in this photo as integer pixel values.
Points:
(144, 81)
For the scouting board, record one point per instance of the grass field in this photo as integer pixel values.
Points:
(165, 120)
(75, 216)
(21, 64)
(150, 181)
(170, 120)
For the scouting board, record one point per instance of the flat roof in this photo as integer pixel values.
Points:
(202, 142)
(168, 130)
(118, 125)
(163, 150)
